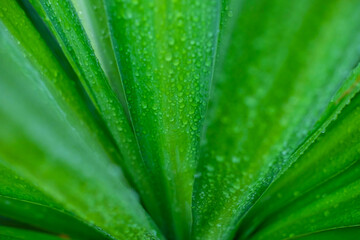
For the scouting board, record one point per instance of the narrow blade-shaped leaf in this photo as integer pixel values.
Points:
(58, 154)
(22, 201)
(165, 51)
(62, 19)
(10, 233)
(94, 20)
(331, 154)
(333, 234)
(279, 98)
(321, 190)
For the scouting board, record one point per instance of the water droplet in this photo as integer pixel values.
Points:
(168, 56)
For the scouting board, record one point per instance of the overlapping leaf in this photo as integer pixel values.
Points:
(46, 139)
(64, 22)
(278, 80)
(279, 158)
(8, 233)
(319, 191)
(95, 23)
(24, 202)
(330, 159)
(165, 51)
(334, 234)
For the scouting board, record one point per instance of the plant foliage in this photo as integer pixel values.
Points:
(179, 119)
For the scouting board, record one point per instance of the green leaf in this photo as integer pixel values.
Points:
(9, 233)
(105, 132)
(46, 140)
(59, 81)
(325, 159)
(95, 23)
(277, 86)
(165, 51)
(333, 234)
(319, 191)
(62, 19)
(334, 205)
(5, 221)
(24, 202)
(28, 203)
